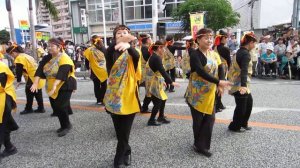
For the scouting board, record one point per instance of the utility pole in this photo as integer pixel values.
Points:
(32, 31)
(11, 21)
(295, 16)
(154, 19)
(251, 4)
(104, 23)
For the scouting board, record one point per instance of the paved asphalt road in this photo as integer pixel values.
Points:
(273, 142)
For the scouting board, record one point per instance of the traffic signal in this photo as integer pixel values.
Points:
(161, 29)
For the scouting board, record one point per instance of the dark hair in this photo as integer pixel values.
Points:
(98, 43)
(120, 27)
(14, 48)
(203, 31)
(247, 39)
(58, 42)
(144, 38)
(156, 45)
(169, 38)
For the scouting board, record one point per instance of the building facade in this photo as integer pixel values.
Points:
(136, 14)
(60, 27)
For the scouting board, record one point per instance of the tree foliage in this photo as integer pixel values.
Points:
(50, 6)
(219, 13)
(4, 36)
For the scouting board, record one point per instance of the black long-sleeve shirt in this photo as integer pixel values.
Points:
(156, 64)
(145, 52)
(197, 63)
(173, 48)
(19, 71)
(225, 53)
(3, 79)
(62, 74)
(243, 58)
(112, 55)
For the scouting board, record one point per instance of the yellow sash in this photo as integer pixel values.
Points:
(234, 76)
(8, 89)
(200, 93)
(30, 66)
(143, 66)
(97, 62)
(168, 60)
(121, 96)
(155, 84)
(51, 69)
(186, 63)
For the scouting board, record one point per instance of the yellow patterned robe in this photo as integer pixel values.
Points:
(30, 66)
(200, 93)
(235, 78)
(121, 96)
(51, 69)
(97, 62)
(8, 89)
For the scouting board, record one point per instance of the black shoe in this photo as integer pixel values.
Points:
(202, 151)
(163, 120)
(247, 128)
(237, 130)
(7, 152)
(145, 111)
(170, 91)
(119, 166)
(39, 111)
(59, 130)
(26, 112)
(100, 103)
(153, 123)
(64, 132)
(218, 110)
(222, 107)
(53, 115)
(127, 160)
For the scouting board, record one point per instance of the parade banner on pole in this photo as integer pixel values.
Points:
(197, 22)
(23, 24)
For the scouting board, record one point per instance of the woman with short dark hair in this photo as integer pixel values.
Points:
(201, 90)
(59, 71)
(240, 75)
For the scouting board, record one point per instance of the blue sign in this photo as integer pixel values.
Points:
(147, 26)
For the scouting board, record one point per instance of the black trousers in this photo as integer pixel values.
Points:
(146, 102)
(159, 105)
(99, 89)
(122, 124)
(219, 103)
(29, 97)
(202, 127)
(61, 107)
(8, 124)
(270, 66)
(242, 111)
(172, 73)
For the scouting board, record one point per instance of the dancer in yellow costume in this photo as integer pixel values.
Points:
(96, 61)
(7, 104)
(121, 98)
(146, 42)
(155, 81)
(224, 52)
(240, 75)
(201, 90)
(27, 66)
(59, 71)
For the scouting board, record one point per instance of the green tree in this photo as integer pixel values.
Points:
(50, 6)
(4, 36)
(219, 13)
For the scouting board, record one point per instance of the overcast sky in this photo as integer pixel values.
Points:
(19, 11)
